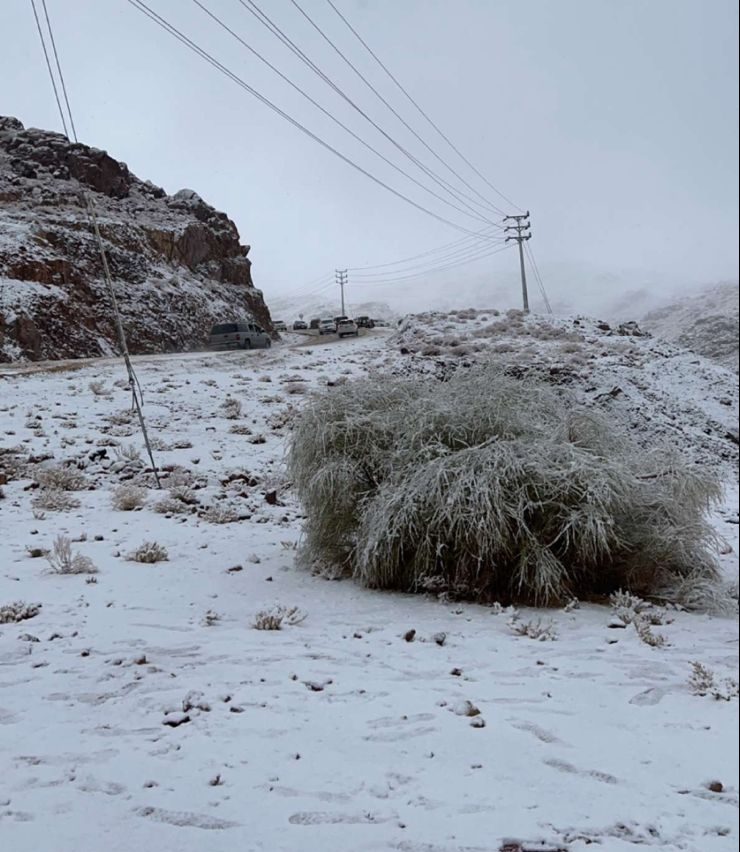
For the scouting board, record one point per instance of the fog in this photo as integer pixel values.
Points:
(614, 123)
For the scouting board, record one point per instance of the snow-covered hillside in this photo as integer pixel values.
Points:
(658, 390)
(707, 323)
(141, 708)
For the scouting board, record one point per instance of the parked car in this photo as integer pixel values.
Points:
(337, 320)
(327, 326)
(238, 335)
(380, 323)
(299, 325)
(279, 325)
(364, 322)
(347, 328)
(315, 323)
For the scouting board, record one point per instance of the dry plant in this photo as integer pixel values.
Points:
(61, 478)
(64, 561)
(18, 611)
(703, 681)
(231, 408)
(53, 500)
(149, 552)
(126, 498)
(534, 629)
(277, 616)
(220, 514)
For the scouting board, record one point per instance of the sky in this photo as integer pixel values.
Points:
(614, 123)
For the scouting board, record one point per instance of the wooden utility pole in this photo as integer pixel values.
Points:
(340, 276)
(522, 227)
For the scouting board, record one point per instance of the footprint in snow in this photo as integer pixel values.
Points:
(185, 819)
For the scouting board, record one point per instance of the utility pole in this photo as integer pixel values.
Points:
(522, 227)
(340, 276)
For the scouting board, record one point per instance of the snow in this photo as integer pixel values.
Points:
(145, 711)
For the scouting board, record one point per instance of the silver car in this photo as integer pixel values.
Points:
(238, 335)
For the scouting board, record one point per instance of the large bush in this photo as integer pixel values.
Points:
(492, 487)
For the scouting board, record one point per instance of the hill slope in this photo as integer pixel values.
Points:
(707, 323)
(177, 263)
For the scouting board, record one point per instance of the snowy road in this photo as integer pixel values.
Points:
(144, 710)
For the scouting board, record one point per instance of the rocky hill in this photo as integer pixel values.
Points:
(177, 263)
(707, 323)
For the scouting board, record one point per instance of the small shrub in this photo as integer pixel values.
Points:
(534, 629)
(64, 561)
(18, 611)
(61, 478)
(129, 454)
(98, 388)
(149, 552)
(54, 500)
(240, 429)
(274, 618)
(702, 681)
(126, 498)
(184, 494)
(231, 408)
(642, 627)
(219, 514)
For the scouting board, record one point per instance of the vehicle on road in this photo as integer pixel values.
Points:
(279, 325)
(364, 322)
(299, 325)
(337, 320)
(347, 328)
(315, 323)
(238, 335)
(327, 326)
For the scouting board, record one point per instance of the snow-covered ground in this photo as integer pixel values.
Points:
(145, 711)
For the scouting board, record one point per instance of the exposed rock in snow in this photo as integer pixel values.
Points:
(707, 323)
(176, 262)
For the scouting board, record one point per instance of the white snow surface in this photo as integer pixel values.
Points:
(144, 711)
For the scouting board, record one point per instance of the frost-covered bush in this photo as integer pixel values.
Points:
(504, 487)
(149, 552)
(54, 500)
(64, 561)
(274, 618)
(17, 611)
(126, 498)
(61, 478)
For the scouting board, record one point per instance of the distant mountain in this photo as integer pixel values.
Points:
(707, 323)
(177, 264)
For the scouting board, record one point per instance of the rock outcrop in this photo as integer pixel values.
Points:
(177, 263)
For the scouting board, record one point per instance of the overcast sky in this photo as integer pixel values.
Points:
(615, 122)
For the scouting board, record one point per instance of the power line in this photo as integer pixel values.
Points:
(388, 105)
(59, 69)
(164, 24)
(458, 254)
(266, 21)
(330, 116)
(420, 110)
(538, 277)
(48, 65)
(444, 247)
(479, 256)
